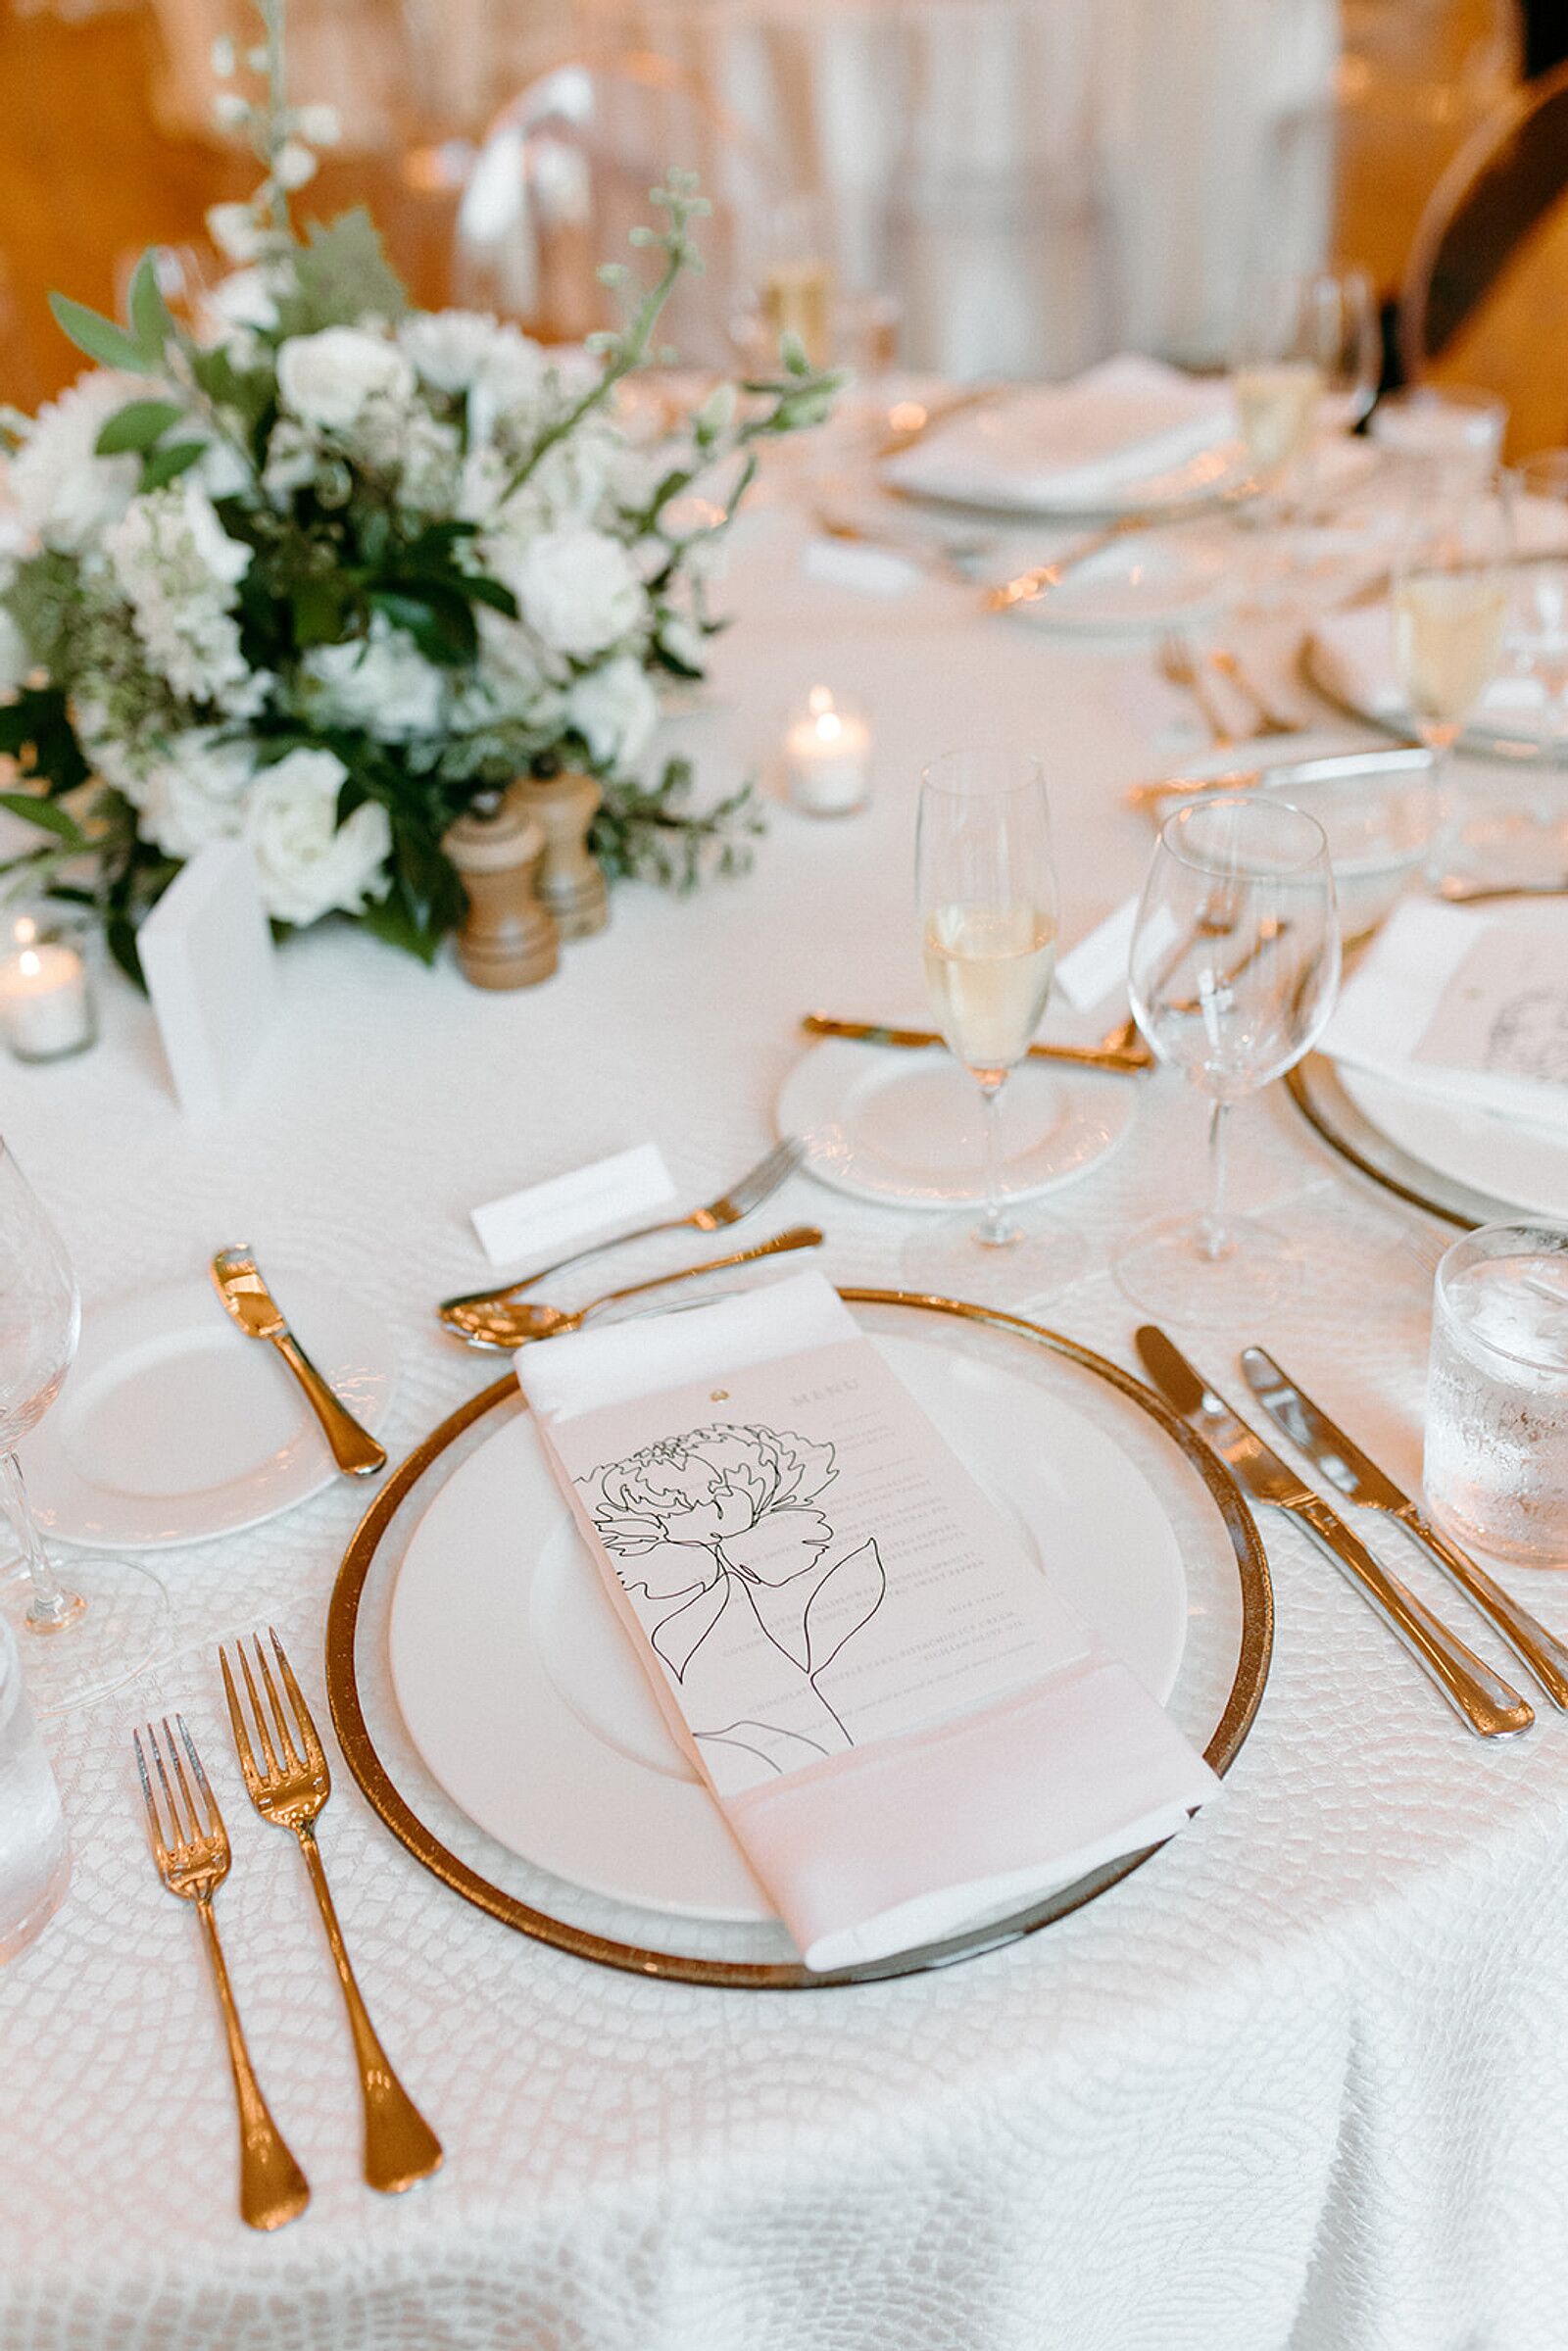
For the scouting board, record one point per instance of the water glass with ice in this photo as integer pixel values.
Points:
(1497, 1436)
(34, 1857)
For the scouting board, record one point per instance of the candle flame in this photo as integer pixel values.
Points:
(26, 930)
(31, 962)
(829, 727)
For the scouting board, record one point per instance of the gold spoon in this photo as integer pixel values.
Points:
(504, 1324)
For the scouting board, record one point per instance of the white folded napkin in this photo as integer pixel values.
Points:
(983, 1749)
(1466, 1006)
(1088, 443)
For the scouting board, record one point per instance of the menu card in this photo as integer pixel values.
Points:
(1469, 1006)
(904, 1725)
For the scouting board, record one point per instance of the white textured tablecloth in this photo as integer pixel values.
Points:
(1300, 2085)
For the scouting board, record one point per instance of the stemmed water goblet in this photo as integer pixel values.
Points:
(1234, 966)
(986, 891)
(85, 1633)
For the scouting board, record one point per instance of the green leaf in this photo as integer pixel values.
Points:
(36, 731)
(136, 426)
(480, 590)
(343, 274)
(150, 321)
(120, 934)
(163, 465)
(33, 809)
(99, 338)
(317, 607)
(437, 618)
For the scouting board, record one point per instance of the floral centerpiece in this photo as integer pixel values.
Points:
(322, 570)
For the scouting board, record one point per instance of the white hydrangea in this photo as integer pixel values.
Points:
(194, 792)
(178, 569)
(63, 494)
(575, 588)
(327, 379)
(615, 711)
(508, 679)
(306, 863)
(383, 683)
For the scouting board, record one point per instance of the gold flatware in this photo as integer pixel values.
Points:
(1179, 668)
(289, 1788)
(1122, 1050)
(1039, 580)
(1491, 1706)
(1335, 768)
(190, 1845)
(1350, 1471)
(947, 556)
(1457, 892)
(505, 1324)
(759, 1183)
(1270, 720)
(1270, 928)
(239, 1283)
(909, 420)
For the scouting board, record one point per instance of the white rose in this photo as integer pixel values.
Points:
(507, 383)
(193, 793)
(308, 864)
(245, 299)
(615, 711)
(63, 494)
(450, 348)
(325, 380)
(575, 588)
(381, 682)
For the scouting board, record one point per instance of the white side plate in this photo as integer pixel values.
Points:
(173, 1426)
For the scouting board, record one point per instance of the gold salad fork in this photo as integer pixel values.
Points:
(288, 1787)
(190, 1845)
(759, 1183)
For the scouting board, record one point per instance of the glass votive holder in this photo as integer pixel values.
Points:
(47, 1005)
(827, 756)
(1496, 1470)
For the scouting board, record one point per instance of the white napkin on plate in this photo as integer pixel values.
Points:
(1355, 656)
(1465, 1006)
(1070, 446)
(911, 1838)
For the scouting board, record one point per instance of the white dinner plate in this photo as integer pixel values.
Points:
(519, 1688)
(173, 1426)
(1171, 579)
(887, 1124)
(1525, 1166)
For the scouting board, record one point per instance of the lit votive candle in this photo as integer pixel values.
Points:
(827, 757)
(46, 1007)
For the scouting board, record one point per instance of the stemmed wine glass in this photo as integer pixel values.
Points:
(85, 1635)
(1307, 353)
(986, 889)
(1450, 608)
(1234, 966)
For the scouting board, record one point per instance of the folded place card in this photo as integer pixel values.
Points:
(1468, 1006)
(208, 958)
(1096, 967)
(906, 1730)
(577, 1206)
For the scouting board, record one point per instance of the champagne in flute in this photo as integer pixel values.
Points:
(1275, 404)
(988, 970)
(1448, 634)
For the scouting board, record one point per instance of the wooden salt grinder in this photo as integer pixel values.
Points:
(570, 883)
(507, 939)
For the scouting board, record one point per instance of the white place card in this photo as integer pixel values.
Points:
(577, 1207)
(210, 969)
(868, 570)
(1096, 967)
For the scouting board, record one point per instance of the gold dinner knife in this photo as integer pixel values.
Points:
(1348, 1470)
(238, 1281)
(1124, 1050)
(1491, 1706)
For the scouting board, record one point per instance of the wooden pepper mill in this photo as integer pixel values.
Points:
(507, 939)
(570, 883)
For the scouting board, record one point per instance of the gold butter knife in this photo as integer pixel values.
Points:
(239, 1283)
(1123, 1051)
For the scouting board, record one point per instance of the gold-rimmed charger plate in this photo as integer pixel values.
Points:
(390, 1775)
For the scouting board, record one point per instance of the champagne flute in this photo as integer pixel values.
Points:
(1308, 353)
(986, 889)
(85, 1635)
(1234, 966)
(1451, 604)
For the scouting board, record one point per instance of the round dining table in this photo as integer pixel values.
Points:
(1298, 2084)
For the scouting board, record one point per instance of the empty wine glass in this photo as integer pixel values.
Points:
(1234, 966)
(85, 1635)
(986, 889)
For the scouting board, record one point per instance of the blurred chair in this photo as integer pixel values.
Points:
(1416, 78)
(564, 175)
(1485, 298)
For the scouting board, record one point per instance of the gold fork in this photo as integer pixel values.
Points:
(193, 1857)
(289, 1788)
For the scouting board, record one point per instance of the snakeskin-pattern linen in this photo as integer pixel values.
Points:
(1299, 2084)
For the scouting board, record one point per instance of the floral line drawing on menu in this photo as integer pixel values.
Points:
(1529, 1037)
(717, 1538)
